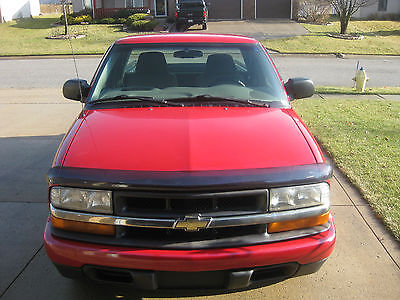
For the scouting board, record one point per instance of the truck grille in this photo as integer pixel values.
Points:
(175, 205)
(172, 236)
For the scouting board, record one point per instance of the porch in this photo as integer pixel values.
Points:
(108, 8)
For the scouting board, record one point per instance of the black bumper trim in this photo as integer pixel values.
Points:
(216, 280)
(190, 180)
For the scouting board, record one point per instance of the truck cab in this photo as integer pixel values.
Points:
(191, 12)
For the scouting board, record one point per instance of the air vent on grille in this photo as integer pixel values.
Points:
(167, 205)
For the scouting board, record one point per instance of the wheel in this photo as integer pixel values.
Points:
(205, 26)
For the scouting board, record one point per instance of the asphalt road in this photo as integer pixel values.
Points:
(323, 70)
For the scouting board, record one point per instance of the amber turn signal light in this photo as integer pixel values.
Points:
(83, 226)
(298, 224)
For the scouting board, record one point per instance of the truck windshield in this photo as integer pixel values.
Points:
(184, 4)
(171, 71)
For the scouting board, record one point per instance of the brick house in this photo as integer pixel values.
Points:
(218, 9)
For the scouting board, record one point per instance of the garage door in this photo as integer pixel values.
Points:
(273, 8)
(224, 9)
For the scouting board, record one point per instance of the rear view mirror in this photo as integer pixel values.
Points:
(298, 88)
(73, 88)
(187, 53)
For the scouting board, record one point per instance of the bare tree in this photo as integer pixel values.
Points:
(346, 8)
(313, 11)
(64, 9)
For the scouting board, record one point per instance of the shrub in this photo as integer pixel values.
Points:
(137, 17)
(141, 22)
(313, 11)
(143, 25)
(119, 20)
(78, 19)
(106, 21)
(125, 13)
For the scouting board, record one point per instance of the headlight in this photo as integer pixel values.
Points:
(299, 196)
(81, 199)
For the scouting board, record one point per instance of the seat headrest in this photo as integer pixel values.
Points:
(220, 64)
(151, 62)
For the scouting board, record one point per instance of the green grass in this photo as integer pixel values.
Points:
(28, 37)
(363, 138)
(352, 91)
(381, 38)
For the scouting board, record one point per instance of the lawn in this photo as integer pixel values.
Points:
(28, 37)
(381, 38)
(352, 91)
(362, 136)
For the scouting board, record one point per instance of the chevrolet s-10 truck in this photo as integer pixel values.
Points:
(187, 168)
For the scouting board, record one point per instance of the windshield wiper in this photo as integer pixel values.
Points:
(210, 98)
(127, 98)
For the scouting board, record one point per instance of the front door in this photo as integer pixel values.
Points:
(160, 8)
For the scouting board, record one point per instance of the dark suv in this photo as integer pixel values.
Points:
(190, 12)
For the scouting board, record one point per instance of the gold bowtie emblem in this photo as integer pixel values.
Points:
(192, 223)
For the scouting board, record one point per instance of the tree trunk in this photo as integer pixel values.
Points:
(344, 22)
(65, 19)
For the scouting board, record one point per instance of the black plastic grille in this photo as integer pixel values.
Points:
(144, 204)
(178, 235)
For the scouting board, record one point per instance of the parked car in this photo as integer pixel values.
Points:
(191, 12)
(188, 168)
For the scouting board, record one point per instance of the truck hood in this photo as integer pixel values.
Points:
(188, 139)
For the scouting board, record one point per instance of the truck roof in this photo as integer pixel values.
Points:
(186, 38)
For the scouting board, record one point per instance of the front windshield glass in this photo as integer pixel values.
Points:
(184, 71)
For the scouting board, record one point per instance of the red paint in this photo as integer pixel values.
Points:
(304, 250)
(319, 157)
(65, 143)
(188, 139)
(185, 38)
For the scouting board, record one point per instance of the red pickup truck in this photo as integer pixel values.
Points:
(188, 168)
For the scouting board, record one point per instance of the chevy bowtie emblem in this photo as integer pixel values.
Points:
(192, 223)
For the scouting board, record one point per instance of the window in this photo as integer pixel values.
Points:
(382, 6)
(170, 71)
(134, 3)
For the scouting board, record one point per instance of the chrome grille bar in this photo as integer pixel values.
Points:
(170, 223)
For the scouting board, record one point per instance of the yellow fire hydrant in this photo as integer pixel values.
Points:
(361, 80)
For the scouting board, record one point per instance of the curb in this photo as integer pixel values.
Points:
(362, 96)
(375, 224)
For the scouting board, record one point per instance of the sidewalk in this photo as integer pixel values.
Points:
(363, 97)
(387, 241)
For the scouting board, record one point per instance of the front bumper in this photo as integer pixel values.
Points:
(215, 280)
(302, 251)
(191, 20)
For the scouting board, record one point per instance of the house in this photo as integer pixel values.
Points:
(381, 7)
(15, 9)
(51, 7)
(218, 9)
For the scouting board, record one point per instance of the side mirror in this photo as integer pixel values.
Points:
(71, 89)
(298, 88)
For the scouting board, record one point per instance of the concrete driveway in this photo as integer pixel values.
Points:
(261, 29)
(364, 264)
